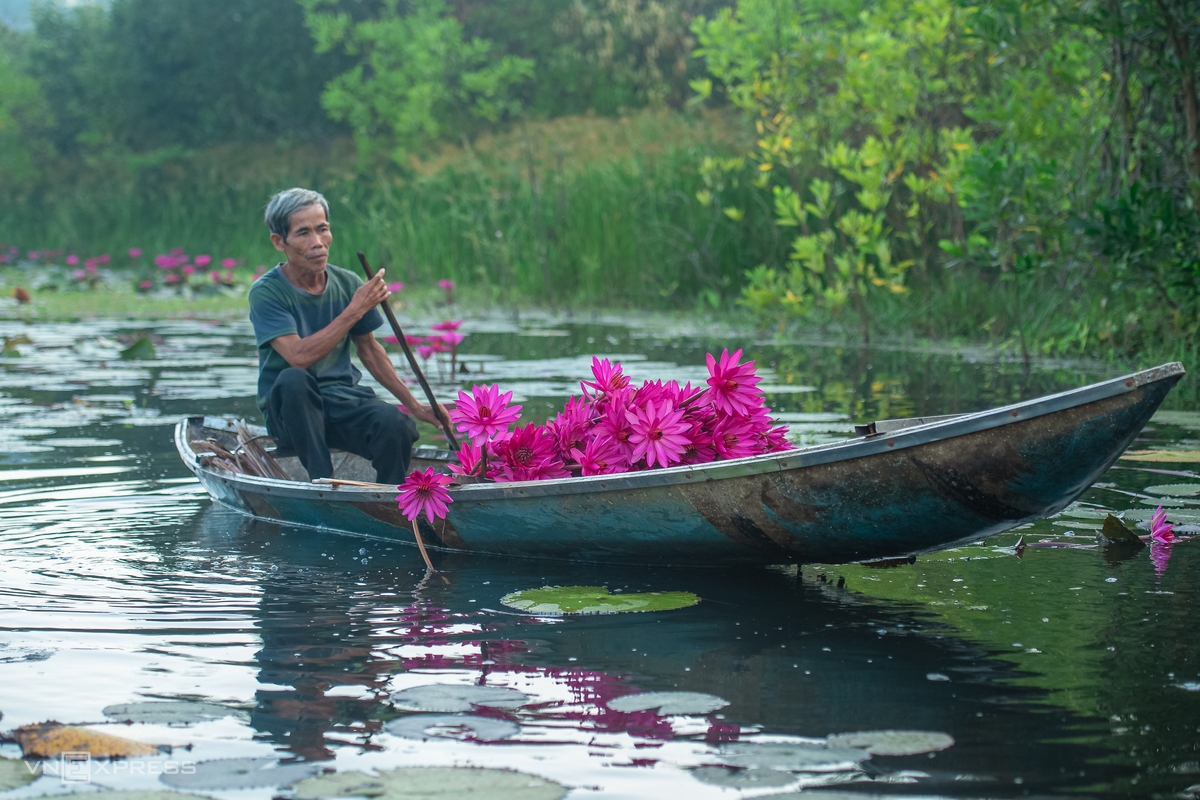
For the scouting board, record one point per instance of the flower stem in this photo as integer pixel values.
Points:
(421, 546)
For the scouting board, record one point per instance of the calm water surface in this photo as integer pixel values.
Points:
(1068, 670)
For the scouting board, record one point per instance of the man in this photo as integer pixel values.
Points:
(306, 312)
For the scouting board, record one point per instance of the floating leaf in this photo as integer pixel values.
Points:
(1115, 531)
(451, 698)
(167, 712)
(1163, 456)
(142, 348)
(894, 743)
(733, 778)
(240, 773)
(452, 726)
(15, 773)
(594, 600)
(1077, 511)
(668, 703)
(1182, 419)
(51, 739)
(422, 783)
(1180, 515)
(797, 757)
(1175, 489)
(141, 794)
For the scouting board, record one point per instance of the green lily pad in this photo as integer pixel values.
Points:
(240, 773)
(894, 743)
(732, 778)
(1182, 419)
(1175, 489)
(1078, 511)
(452, 698)
(167, 712)
(668, 703)
(14, 774)
(142, 348)
(796, 757)
(1178, 515)
(594, 600)
(1163, 456)
(141, 794)
(424, 783)
(451, 726)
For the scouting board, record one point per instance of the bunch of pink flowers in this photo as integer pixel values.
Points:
(614, 427)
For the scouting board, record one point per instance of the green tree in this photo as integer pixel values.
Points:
(417, 76)
(25, 123)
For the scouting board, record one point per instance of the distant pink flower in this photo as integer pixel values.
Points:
(80, 274)
(144, 285)
(529, 455)
(72, 260)
(484, 413)
(90, 267)
(425, 351)
(425, 492)
(446, 284)
(165, 262)
(733, 437)
(452, 338)
(391, 340)
(438, 344)
(446, 325)
(202, 261)
(178, 252)
(1160, 529)
(731, 385)
(395, 287)
(215, 275)
(34, 255)
(658, 433)
(608, 377)
(104, 259)
(470, 455)
(188, 269)
(411, 340)
(135, 252)
(601, 456)
(229, 263)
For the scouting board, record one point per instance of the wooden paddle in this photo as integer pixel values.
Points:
(412, 361)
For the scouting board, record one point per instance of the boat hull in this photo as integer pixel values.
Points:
(887, 495)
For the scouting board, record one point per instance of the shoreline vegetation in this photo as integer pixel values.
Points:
(1023, 178)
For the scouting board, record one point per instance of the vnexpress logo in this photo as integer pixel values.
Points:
(75, 767)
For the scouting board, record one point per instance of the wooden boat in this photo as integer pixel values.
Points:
(902, 487)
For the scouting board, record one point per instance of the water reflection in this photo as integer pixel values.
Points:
(120, 582)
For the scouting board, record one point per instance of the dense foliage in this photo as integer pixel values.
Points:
(1027, 172)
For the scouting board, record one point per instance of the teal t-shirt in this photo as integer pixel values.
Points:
(279, 307)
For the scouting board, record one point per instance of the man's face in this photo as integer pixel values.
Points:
(309, 236)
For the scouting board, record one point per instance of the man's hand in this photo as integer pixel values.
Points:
(369, 295)
(426, 414)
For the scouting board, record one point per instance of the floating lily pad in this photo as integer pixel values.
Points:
(1181, 515)
(452, 698)
(451, 726)
(1117, 532)
(733, 778)
(141, 794)
(1077, 511)
(594, 600)
(51, 739)
(1175, 489)
(240, 773)
(894, 743)
(1182, 419)
(422, 783)
(14, 774)
(142, 348)
(667, 703)
(1163, 456)
(796, 757)
(167, 712)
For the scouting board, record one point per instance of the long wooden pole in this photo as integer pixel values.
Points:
(412, 361)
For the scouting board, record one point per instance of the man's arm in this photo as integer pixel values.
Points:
(303, 353)
(375, 359)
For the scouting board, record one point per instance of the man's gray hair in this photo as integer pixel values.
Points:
(281, 207)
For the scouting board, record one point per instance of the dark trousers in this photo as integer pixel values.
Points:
(303, 419)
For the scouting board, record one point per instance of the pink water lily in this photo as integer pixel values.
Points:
(446, 325)
(203, 261)
(425, 492)
(529, 455)
(395, 287)
(72, 260)
(229, 263)
(446, 284)
(1161, 530)
(658, 434)
(600, 456)
(135, 252)
(733, 437)
(484, 413)
(732, 385)
(608, 377)
(470, 455)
